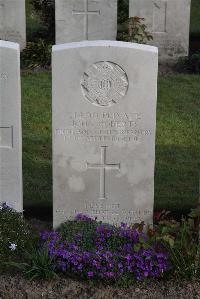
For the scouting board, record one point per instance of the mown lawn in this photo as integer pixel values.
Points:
(177, 143)
(36, 121)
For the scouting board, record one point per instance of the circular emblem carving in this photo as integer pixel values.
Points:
(104, 83)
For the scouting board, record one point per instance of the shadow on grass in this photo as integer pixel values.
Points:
(176, 178)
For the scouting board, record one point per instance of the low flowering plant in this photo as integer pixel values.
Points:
(14, 234)
(100, 251)
(181, 238)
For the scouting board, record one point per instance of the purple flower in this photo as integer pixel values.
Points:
(50, 235)
(114, 252)
(107, 255)
(83, 217)
(104, 231)
(128, 258)
(161, 255)
(62, 266)
(90, 274)
(80, 267)
(96, 264)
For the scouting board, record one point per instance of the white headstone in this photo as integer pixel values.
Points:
(13, 21)
(10, 126)
(85, 20)
(104, 121)
(168, 21)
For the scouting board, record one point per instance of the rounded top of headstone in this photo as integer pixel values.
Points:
(105, 43)
(7, 44)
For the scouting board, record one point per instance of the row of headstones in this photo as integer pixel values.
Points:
(104, 121)
(77, 20)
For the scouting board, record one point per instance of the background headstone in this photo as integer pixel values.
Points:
(168, 21)
(104, 121)
(13, 21)
(85, 20)
(10, 126)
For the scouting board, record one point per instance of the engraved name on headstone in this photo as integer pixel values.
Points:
(104, 120)
(85, 20)
(13, 21)
(10, 126)
(168, 21)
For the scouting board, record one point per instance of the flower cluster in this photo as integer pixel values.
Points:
(116, 252)
(83, 217)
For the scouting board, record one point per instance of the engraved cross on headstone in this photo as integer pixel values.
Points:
(86, 14)
(160, 17)
(103, 166)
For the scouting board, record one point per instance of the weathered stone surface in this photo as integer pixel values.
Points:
(85, 20)
(168, 21)
(10, 126)
(104, 120)
(13, 21)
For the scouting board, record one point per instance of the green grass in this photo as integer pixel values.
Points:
(195, 17)
(33, 24)
(36, 111)
(177, 143)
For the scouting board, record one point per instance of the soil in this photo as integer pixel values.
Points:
(16, 287)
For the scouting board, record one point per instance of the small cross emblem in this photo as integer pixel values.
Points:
(86, 13)
(103, 166)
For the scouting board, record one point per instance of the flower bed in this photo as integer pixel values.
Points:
(100, 251)
(94, 251)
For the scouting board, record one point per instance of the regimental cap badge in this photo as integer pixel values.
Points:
(104, 84)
